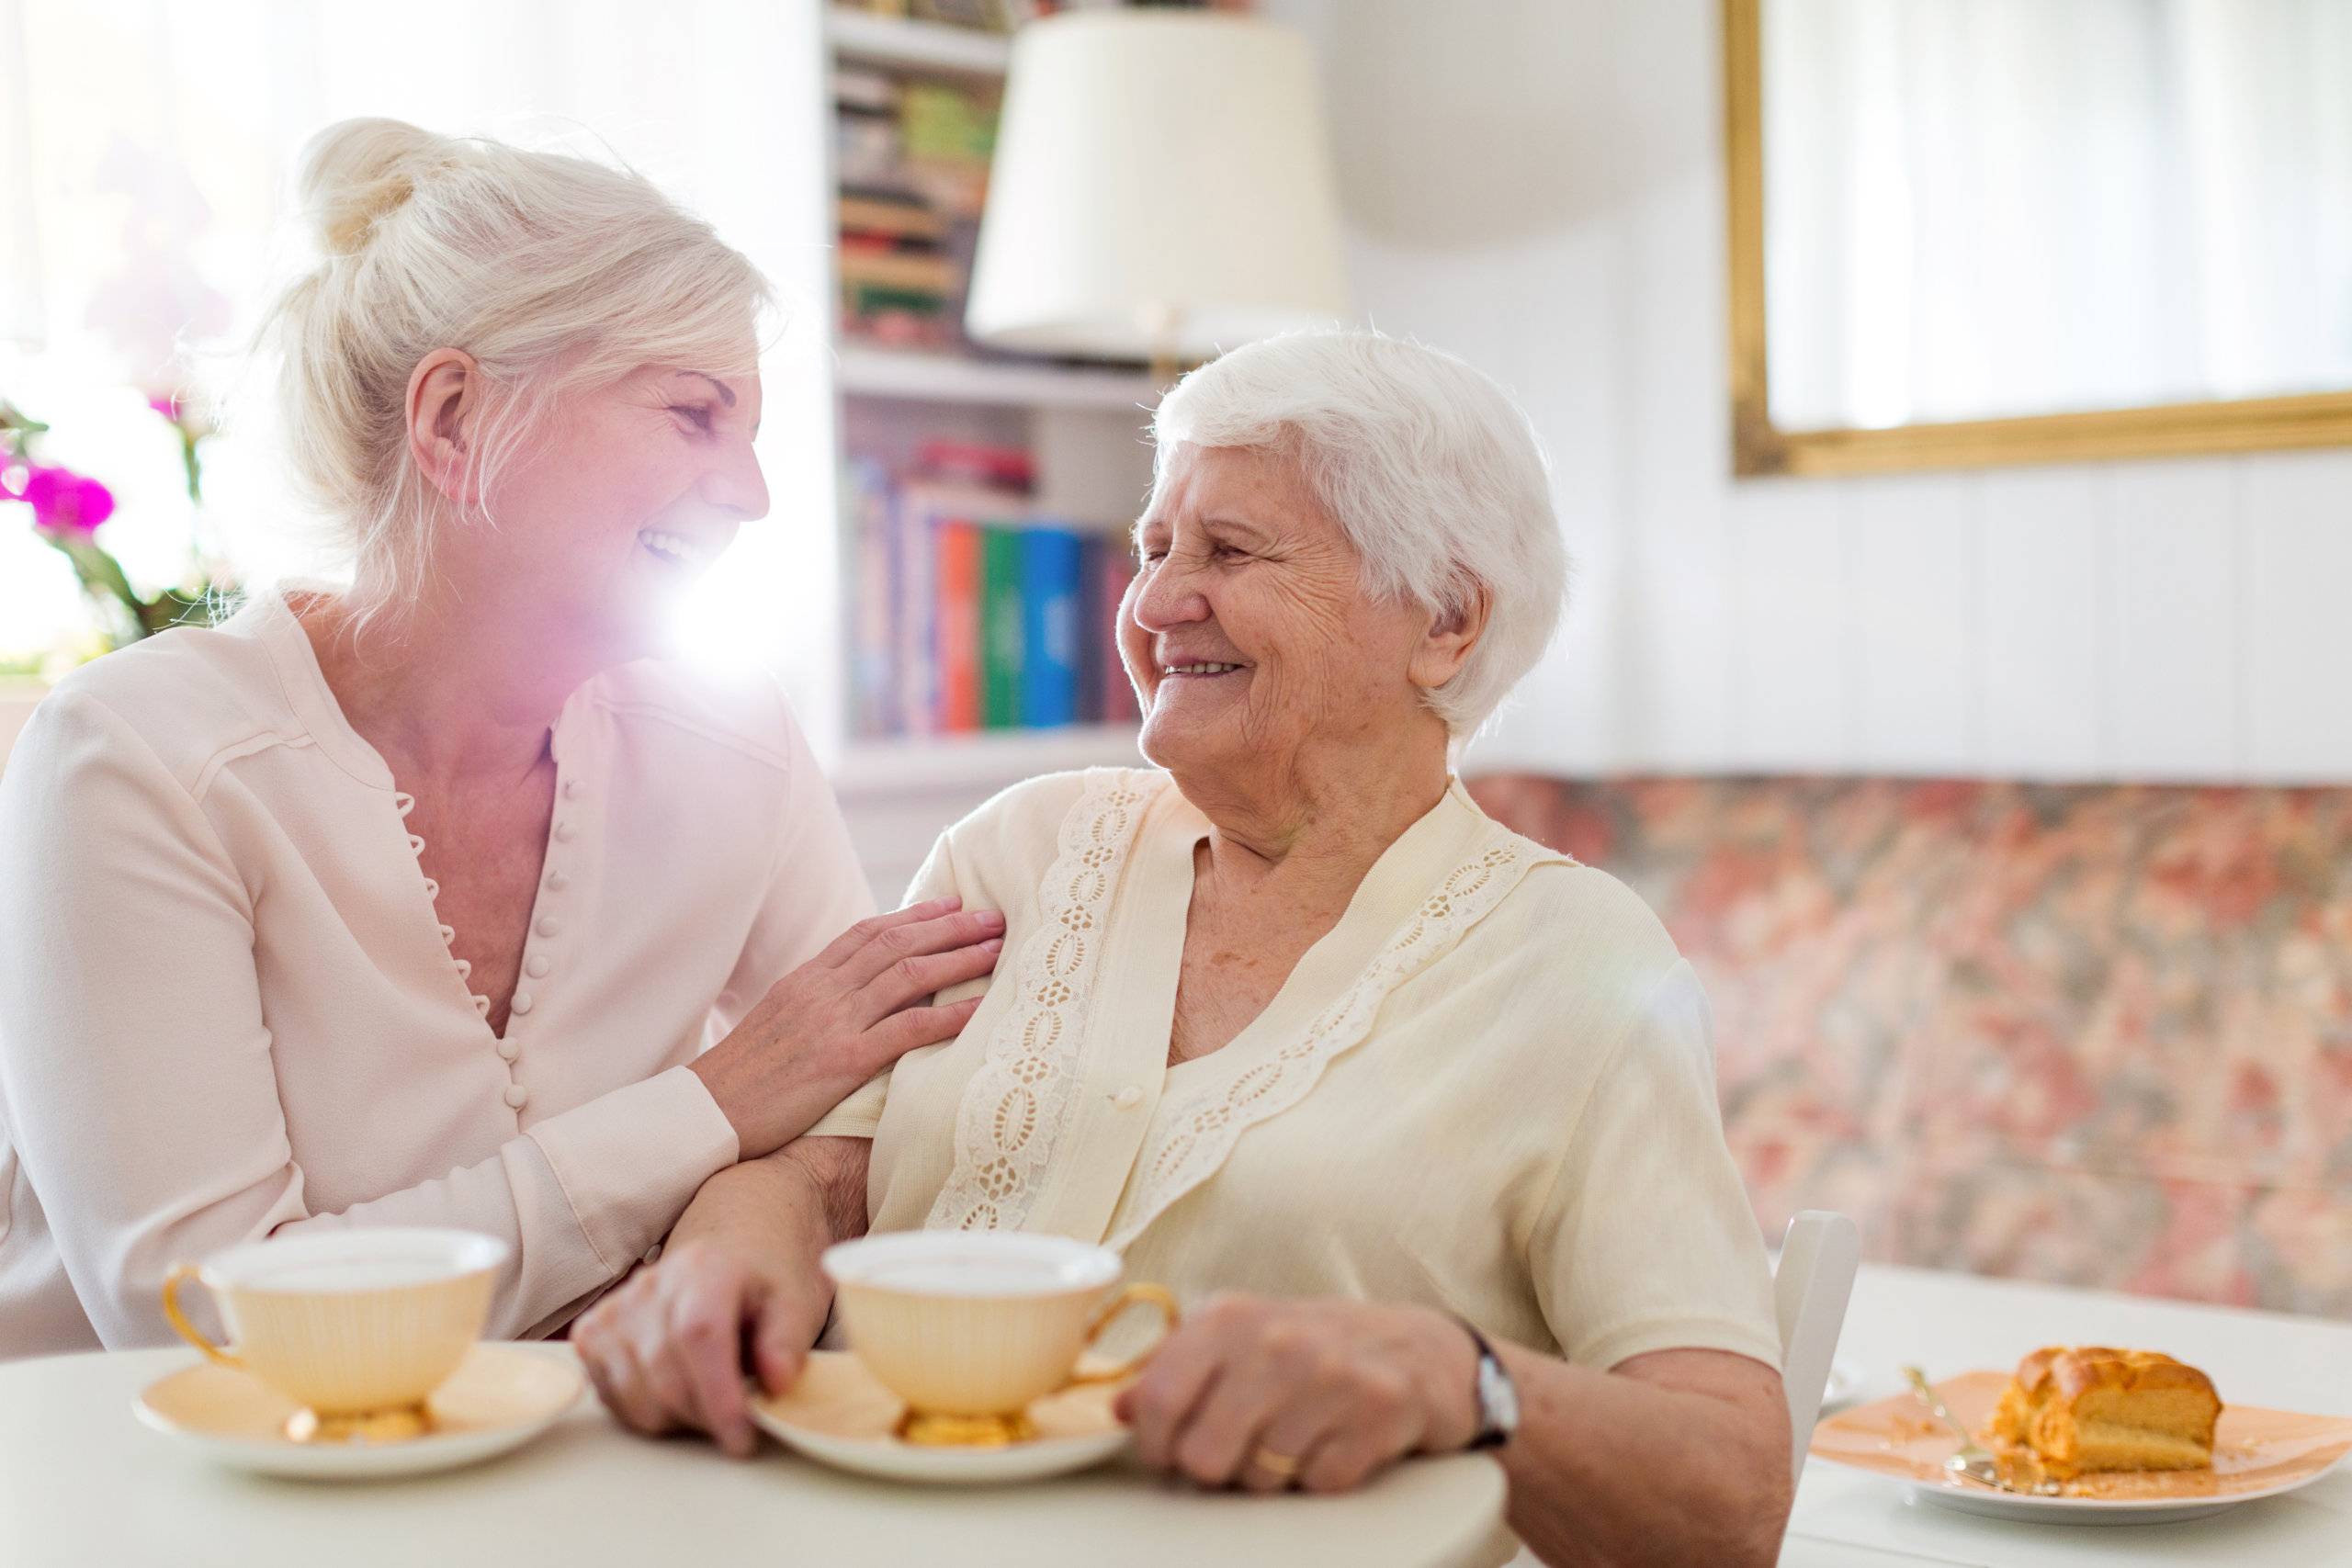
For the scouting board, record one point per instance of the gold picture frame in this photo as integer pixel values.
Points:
(1759, 447)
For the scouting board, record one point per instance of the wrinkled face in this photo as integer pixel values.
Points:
(626, 494)
(1247, 632)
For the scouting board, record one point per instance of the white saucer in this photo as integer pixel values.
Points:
(500, 1398)
(838, 1415)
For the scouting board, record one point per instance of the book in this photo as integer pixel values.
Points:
(956, 643)
(1111, 569)
(1052, 593)
(866, 500)
(1002, 627)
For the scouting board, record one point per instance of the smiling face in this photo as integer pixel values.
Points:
(1252, 643)
(626, 494)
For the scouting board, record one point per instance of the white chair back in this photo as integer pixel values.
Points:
(1810, 1288)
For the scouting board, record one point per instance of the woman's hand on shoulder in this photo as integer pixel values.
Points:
(861, 1004)
(666, 1350)
(1320, 1393)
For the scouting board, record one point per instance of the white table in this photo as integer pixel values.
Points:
(82, 1482)
(1951, 1322)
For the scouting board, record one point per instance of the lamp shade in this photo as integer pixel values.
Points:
(1162, 188)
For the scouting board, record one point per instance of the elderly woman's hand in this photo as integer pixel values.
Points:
(1319, 1393)
(665, 1350)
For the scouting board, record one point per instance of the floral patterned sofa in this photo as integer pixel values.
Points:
(2099, 1035)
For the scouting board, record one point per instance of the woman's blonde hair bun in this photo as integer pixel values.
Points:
(357, 173)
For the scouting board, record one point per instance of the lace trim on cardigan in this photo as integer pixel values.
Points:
(1014, 1109)
(1205, 1127)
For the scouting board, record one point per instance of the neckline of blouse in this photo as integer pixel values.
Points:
(303, 681)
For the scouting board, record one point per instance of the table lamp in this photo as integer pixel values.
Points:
(1162, 190)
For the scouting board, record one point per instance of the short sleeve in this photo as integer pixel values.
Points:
(1647, 1241)
(861, 1113)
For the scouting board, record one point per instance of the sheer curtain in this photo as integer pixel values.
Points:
(158, 142)
(1977, 207)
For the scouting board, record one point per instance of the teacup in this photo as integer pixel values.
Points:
(358, 1327)
(970, 1327)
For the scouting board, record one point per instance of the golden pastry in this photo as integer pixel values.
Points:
(2078, 1410)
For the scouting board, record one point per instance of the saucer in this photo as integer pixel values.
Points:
(838, 1414)
(500, 1398)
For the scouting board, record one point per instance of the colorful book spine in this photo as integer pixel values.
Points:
(956, 651)
(1052, 591)
(873, 536)
(1000, 627)
(1114, 570)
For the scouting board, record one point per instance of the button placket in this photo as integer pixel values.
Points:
(546, 927)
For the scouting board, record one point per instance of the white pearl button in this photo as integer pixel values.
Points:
(521, 1002)
(508, 1050)
(564, 832)
(515, 1095)
(571, 789)
(1128, 1098)
(558, 882)
(537, 968)
(549, 925)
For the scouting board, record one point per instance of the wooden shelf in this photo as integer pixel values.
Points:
(944, 378)
(929, 46)
(987, 762)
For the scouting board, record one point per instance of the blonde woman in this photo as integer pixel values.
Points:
(433, 900)
(1416, 1113)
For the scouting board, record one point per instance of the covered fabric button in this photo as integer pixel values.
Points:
(516, 1094)
(571, 789)
(537, 967)
(549, 925)
(1128, 1098)
(508, 1050)
(564, 832)
(521, 1002)
(558, 882)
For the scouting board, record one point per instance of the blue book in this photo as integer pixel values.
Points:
(1052, 600)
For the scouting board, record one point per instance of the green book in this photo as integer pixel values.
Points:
(1001, 650)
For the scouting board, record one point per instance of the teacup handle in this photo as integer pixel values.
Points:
(181, 1274)
(1134, 1296)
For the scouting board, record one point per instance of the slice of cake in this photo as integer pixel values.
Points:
(2077, 1410)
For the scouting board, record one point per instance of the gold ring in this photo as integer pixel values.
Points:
(1275, 1464)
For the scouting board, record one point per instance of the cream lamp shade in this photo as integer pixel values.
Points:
(1162, 189)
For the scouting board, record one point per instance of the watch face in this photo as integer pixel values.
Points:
(1498, 1399)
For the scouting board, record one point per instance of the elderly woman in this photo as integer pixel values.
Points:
(1430, 1108)
(433, 901)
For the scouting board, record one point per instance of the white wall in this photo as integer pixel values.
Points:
(1537, 186)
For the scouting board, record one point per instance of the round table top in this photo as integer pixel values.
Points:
(82, 1481)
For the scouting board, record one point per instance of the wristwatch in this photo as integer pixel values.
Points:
(1498, 1395)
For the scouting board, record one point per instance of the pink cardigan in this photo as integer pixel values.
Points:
(228, 1007)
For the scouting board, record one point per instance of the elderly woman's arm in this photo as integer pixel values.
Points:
(1675, 1456)
(1678, 1456)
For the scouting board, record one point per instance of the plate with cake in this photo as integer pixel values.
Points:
(2086, 1435)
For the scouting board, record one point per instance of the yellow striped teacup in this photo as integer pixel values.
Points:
(355, 1327)
(968, 1327)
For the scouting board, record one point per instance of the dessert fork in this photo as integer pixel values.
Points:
(1971, 1461)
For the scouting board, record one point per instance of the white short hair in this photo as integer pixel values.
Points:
(554, 272)
(1431, 470)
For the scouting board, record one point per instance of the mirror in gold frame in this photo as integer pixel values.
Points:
(1981, 232)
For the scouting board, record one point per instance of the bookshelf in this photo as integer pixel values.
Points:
(1083, 427)
(903, 43)
(947, 379)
